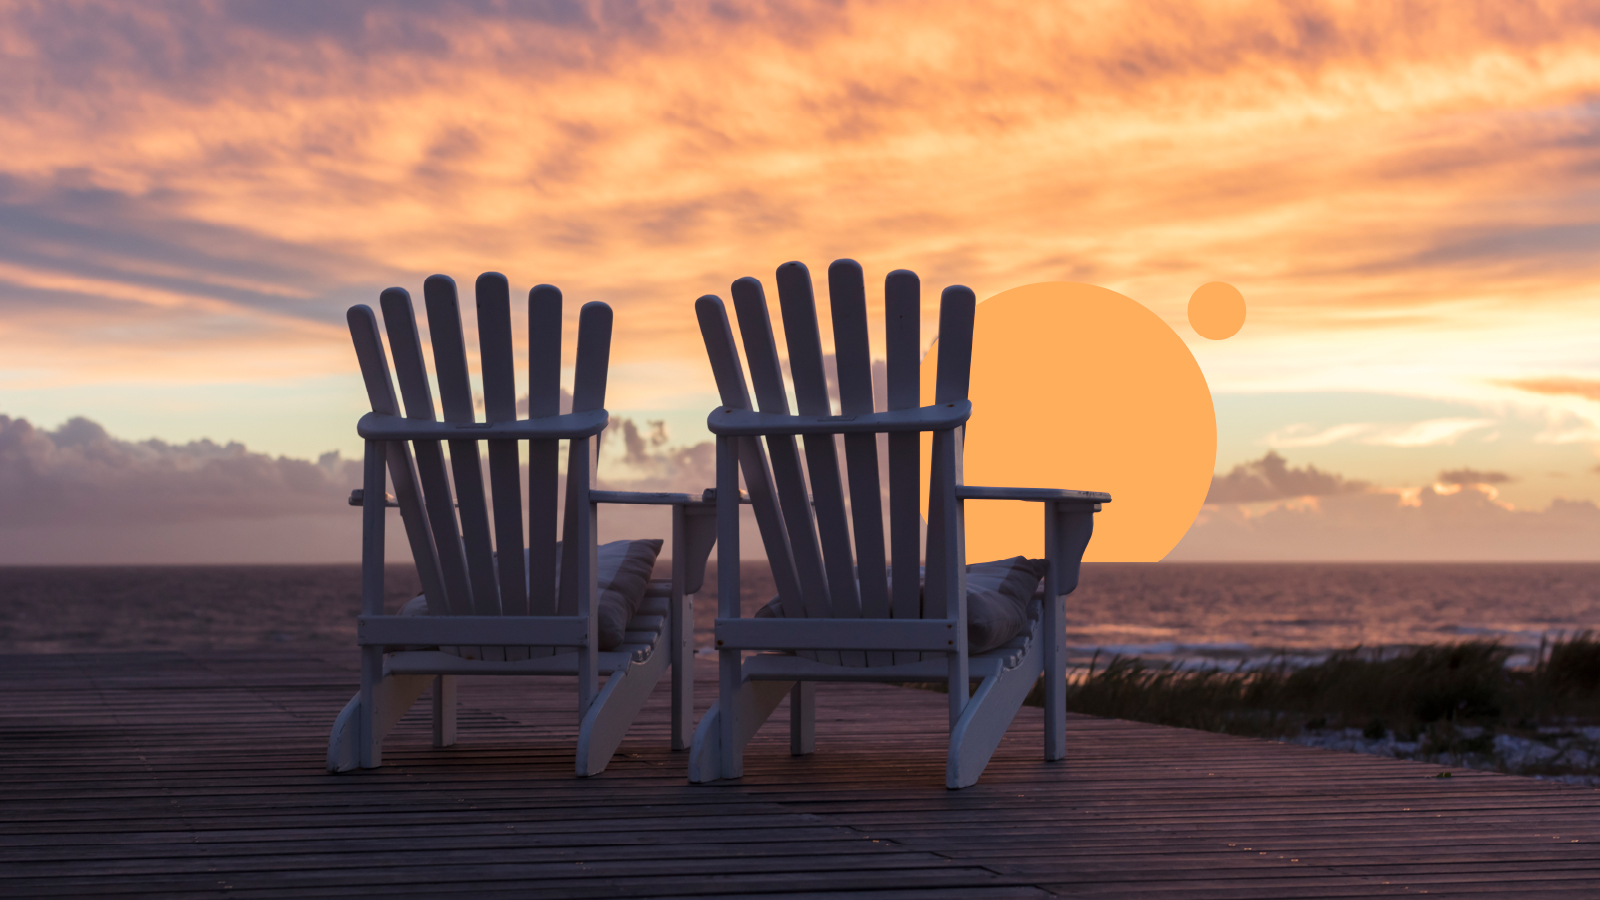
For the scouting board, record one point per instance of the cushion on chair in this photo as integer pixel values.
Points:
(997, 600)
(623, 574)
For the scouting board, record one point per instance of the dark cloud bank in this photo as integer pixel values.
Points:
(76, 494)
(1458, 518)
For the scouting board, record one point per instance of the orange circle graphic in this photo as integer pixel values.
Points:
(1216, 310)
(1076, 386)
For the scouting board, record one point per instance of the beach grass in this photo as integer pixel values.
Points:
(1455, 704)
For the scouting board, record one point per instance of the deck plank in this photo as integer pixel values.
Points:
(194, 774)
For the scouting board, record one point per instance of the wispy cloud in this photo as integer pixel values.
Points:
(1473, 476)
(1428, 433)
(279, 159)
(1588, 388)
(1266, 510)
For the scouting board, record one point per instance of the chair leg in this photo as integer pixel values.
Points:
(682, 670)
(357, 737)
(1055, 679)
(613, 712)
(754, 702)
(985, 720)
(444, 710)
(803, 718)
(344, 743)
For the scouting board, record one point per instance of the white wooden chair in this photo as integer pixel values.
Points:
(503, 614)
(859, 622)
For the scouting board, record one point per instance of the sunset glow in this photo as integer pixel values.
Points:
(1404, 194)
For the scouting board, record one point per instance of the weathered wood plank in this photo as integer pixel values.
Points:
(198, 774)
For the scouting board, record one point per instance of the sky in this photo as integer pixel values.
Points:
(1404, 192)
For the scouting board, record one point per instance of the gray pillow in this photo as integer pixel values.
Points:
(623, 574)
(997, 600)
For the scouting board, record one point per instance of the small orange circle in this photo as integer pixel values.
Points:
(1216, 310)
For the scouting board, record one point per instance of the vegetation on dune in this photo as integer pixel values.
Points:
(1456, 704)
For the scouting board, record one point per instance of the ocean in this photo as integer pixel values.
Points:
(1224, 614)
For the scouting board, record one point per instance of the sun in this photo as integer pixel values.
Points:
(1076, 386)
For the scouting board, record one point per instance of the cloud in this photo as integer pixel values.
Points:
(1271, 478)
(194, 192)
(1473, 476)
(649, 461)
(1431, 432)
(1265, 510)
(1465, 524)
(1302, 435)
(1588, 388)
(80, 475)
(77, 495)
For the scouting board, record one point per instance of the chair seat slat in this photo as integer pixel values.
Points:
(836, 634)
(556, 631)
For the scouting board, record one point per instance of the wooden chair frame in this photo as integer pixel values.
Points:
(505, 614)
(847, 619)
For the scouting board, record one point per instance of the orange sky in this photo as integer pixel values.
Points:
(1404, 192)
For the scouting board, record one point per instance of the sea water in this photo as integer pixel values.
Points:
(1224, 614)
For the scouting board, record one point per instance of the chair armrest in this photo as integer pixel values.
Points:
(1033, 495)
(657, 498)
(381, 427)
(710, 496)
(358, 497)
(728, 421)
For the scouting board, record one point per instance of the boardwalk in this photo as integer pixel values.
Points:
(185, 774)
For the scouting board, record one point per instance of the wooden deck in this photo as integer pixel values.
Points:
(187, 774)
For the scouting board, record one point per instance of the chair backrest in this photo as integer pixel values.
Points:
(448, 526)
(808, 540)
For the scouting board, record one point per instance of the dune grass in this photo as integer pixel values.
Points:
(1457, 704)
(1405, 691)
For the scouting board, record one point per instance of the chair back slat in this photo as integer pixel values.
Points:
(588, 392)
(455, 396)
(847, 296)
(399, 319)
(946, 580)
(750, 303)
(853, 354)
(544, 480)
(902, 295)
(798, 305)
(493, 295)
(731, 387)
(956, 306)
(402, 469)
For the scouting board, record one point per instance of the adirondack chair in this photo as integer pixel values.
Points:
(849, 616)
(503, 614)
